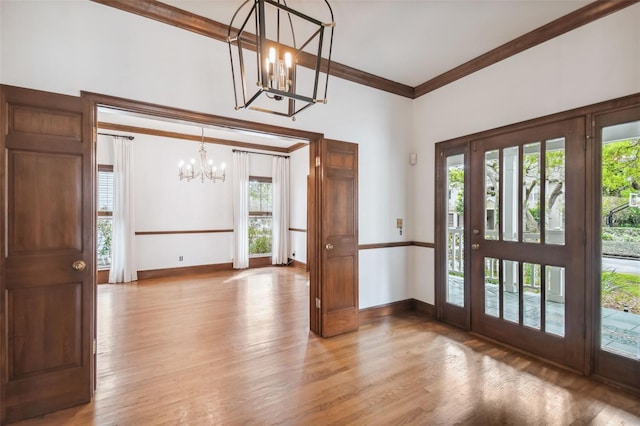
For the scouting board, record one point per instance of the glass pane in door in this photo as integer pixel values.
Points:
(620, 281)
(554, 191)
(491, 288)
(531, 279)
(492, 194)
(531, 193)
(510, 184)
(554, 305)
(455, 230)
(511, 291)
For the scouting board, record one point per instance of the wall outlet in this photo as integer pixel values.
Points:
(181, 258)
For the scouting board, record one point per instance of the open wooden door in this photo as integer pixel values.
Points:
(334, 238)
(47, 253)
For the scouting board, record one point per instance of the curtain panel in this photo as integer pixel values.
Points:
(240, 210)
(123, 265)
(280, 229)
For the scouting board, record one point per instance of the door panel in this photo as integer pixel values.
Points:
(45, 194)
(337, 277)
(47, 326)
(527, 257)
(38, 346)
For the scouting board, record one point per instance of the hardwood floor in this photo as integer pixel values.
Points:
(234, 348)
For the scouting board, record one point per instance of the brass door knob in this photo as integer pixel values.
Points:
(79, 265)
(329, 246)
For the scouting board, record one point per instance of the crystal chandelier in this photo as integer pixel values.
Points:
(206, 168)
(270, 58)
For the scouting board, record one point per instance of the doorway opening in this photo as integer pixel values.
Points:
(236, 133)
(191, 223)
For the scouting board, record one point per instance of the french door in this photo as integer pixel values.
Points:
(518, 273)
(528, 240)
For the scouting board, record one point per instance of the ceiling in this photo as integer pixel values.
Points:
(412, 41)
(119, 122)
(405, 41)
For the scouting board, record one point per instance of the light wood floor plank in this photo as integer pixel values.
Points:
(234, 348)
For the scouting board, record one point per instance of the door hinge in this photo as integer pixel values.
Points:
(318, 161)
(317, 303)
(95, 346)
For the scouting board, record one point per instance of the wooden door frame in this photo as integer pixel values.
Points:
(314, 249)
(3, 252)
(93, 100)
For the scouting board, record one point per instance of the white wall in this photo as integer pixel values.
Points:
(164, 203)
(69, 46)
(594, 63)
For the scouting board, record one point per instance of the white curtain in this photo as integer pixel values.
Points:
(123, 265)
(240, 210)
(280, 184)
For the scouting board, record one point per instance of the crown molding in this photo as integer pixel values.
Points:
(183, 19)
(585, 15)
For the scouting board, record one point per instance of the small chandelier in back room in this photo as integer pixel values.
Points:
(283, 59)
(206, 169)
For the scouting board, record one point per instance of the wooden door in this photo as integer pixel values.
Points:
(48, 270)
(528, 240)
(334, 238)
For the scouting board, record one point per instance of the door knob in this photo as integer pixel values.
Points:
(475, 246)
(329, 246)
(79, 265)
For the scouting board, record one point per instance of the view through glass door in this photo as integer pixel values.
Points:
(618, 198)
(453, 295)
(527, 240)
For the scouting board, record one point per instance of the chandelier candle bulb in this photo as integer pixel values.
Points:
(284, 76)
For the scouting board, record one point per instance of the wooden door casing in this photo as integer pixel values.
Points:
(47, 315)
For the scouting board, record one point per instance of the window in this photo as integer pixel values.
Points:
(260, 215)
(105, 216)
